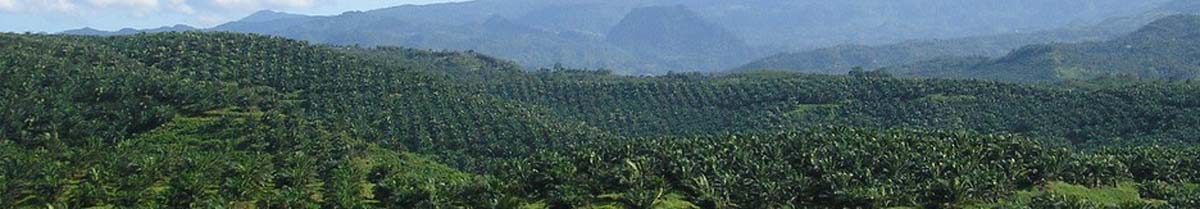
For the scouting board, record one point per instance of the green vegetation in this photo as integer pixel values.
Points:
(1064, 195)
(1162, 50)
(182, 120)
(1122, 193)
(239, 162)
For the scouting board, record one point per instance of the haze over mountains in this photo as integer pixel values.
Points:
(1165, 49)
(673, 35)
(840, 59)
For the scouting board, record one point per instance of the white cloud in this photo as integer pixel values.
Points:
(292, 3)
(63, 6)
(146, 7)
(73, 6)
(134, 4)
(233, 4)
(139, 8)
(60, 6)
(250, 5)
(8, 5)
(181, 7)
(212, 19)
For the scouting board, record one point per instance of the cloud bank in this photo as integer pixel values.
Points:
(60, 15)
(148, 6)
(38, 6)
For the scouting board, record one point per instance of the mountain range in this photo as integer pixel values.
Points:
(841, 59)
(717, 35)
(1166, 49)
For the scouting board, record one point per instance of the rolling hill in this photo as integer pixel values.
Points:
(210, 119)
(1163, 50)
(840, 59)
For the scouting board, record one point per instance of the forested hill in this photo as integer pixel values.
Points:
(840, 59)
(129, 31)
(210, 120)
(677, 34)
(1166, 49)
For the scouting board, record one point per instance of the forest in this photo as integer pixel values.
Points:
(1162, 50)
(1156, 45)
(225, 120)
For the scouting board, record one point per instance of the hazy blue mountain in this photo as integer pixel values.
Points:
(268, 15)
(265, 21)
(128, 31)
(660, 28)
(808, 24)
(575, 33)
(87, 32)
(1166, 49)
(840, 59)
(678, 35)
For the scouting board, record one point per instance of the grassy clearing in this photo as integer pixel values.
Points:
(1125, 193)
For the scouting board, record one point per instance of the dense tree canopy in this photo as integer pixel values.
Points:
(231, 120)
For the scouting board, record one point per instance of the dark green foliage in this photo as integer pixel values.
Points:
(79, 91)
(819, 167)
(264, 160)
(204, 72)
(1180, 195)
(231, 120)
(696, 104)
(1148, 163)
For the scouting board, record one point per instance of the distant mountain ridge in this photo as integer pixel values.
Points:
(129, 31)
(269, 15)
(660, 27)
(575, 32)
(840, 59)
(656, 32)
(536, 47)
(1166, 49)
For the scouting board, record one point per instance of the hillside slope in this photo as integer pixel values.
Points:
(840, 59)
(677, 34)
(1163, 50)
(197, 120)
(244, 121)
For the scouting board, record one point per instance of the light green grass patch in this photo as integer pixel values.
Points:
(668, 201)
(802, 110)
(942, 98)
(1125, 192)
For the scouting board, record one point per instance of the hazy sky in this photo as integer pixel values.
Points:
(59, 15)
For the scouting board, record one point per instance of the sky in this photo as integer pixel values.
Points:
(58, 15)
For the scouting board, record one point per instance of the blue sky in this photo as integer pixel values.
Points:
(58, 15)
